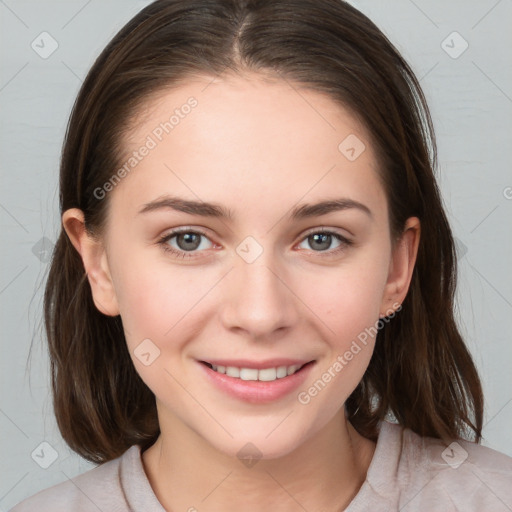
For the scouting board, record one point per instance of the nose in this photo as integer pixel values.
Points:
(257, 299)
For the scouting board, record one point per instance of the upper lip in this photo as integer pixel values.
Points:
(258, 365)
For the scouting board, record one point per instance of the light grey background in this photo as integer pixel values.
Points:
(470, 96)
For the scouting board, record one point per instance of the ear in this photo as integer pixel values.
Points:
(95, 261)
(401, 267)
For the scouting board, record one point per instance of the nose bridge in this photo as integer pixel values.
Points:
(257, 298)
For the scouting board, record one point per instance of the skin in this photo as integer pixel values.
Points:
(259, 148)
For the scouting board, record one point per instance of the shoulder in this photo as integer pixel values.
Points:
(460, 476)
(99, 488)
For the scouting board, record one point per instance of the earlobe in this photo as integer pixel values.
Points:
(94, 258)
(401, 266)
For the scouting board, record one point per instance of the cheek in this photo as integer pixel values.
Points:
(151, 296)
(165, 304)
(347, 305)
(155, 303)
(158, 303)
(347, 299)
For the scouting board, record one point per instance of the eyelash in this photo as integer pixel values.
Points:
(344, 242)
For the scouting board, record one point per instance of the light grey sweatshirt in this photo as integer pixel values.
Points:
(408, 473)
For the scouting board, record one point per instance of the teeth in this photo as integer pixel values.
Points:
(265, 374)
(231, 371)
(249, 374)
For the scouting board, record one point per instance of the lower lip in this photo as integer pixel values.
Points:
(256, 391)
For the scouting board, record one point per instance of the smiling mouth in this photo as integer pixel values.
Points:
(263, 374)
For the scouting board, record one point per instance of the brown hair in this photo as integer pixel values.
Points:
(420, 371)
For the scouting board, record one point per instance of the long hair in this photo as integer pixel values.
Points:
(421, 371)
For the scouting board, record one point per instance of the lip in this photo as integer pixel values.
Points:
(255, 391)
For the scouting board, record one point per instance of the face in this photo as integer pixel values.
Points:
(270, 283)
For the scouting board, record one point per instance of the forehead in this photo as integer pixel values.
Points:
(247, 138)
(251, 106)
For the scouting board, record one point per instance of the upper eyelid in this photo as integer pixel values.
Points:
(323, 229)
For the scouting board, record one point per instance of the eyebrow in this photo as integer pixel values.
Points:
(214, 210)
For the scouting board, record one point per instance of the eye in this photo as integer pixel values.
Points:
(185, 241)
(321, 241)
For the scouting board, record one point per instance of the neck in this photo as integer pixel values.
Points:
(324, 473)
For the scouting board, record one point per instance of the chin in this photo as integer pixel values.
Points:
(252, 449)
(270, 439)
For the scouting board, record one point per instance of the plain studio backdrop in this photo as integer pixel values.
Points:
(460, 52)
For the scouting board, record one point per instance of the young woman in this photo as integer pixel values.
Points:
(250, 304)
